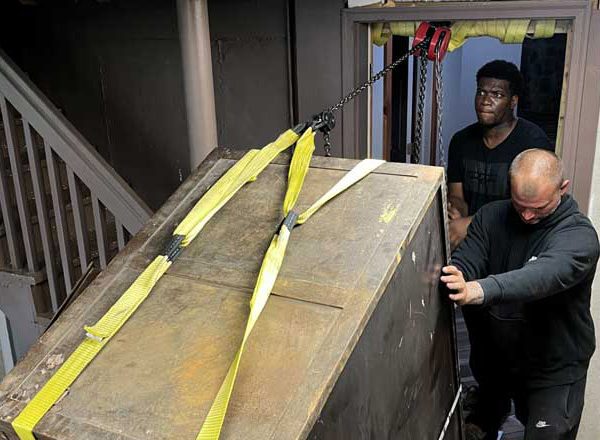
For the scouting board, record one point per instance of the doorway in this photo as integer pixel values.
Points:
(541, 62)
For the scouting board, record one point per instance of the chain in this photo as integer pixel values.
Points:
(327, 144)
(439, 96)
(422, 83)
(358, 90)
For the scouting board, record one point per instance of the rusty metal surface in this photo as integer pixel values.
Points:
(402, 373)
(156, 379)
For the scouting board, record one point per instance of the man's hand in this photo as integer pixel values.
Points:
(457, 227)
(453, 212)
(465, 293)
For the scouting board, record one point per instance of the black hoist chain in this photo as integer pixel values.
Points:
(439, 97)
(430, 43)
(325, 121)
(354, 93)
(417, 143)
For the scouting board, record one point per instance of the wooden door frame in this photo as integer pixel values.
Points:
(579, 134)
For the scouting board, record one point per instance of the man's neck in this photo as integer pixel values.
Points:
(494, 136)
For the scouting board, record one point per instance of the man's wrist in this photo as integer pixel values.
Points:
(475, 293)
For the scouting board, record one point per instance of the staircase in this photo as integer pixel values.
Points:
(63, 209)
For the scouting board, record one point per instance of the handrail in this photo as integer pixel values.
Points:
(72, 147)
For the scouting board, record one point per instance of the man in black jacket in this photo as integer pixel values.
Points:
(528, 263)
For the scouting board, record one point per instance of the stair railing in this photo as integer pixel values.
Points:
(70, 204)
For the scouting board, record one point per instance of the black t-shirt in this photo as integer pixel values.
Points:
(484, 171)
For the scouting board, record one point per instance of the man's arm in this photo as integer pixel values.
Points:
(570, 257)
(456, 198)
(457, 211)
(472, 255)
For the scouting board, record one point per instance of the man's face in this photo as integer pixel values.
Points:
(534, 203)
(494, 103)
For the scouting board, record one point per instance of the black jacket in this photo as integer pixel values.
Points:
(542, 275)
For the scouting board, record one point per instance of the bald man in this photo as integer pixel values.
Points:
(528, 264)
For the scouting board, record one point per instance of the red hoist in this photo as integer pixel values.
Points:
(430, 43)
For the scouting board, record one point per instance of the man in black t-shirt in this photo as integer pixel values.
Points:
(479, 156)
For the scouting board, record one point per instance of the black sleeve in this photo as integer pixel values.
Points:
(471, 257)
(455, 171)
(571, 255)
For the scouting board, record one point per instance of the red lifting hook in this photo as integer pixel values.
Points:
(440, 38)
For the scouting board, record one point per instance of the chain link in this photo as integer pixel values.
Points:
(327, 144)
(439, 97)
(422, 84)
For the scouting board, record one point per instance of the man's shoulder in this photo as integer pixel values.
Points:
(473, 130)
(494, 212)
(533, 133)
(462, 141)
(578, 220)
(530, 126)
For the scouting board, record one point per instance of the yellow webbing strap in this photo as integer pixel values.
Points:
(98, 335)
(229, 184)
(211, 429)
(507, 31)
(544, 28)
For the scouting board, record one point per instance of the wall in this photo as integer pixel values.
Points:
(249, 44)
(377, 116)
(114, 69)
(318, 57)
(271, 68)
(590, 425)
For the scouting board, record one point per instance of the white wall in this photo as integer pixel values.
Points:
(590, 427)
(377, 106)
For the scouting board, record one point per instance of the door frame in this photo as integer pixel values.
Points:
(579, 133)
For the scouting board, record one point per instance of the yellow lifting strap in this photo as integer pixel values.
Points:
(98, 335)
(211, 429)
(507, 31)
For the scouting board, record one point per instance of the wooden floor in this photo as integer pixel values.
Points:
(512, 429)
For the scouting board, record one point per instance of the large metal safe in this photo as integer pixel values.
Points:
(356, 341)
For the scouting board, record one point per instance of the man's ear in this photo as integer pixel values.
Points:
(514, 101)
(564, 186)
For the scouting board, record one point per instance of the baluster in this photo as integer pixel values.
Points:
(8, 119)
(81, 231)
(39, 192)
(101, 236)
(12, 239)
(120, 234)
(60, 217)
